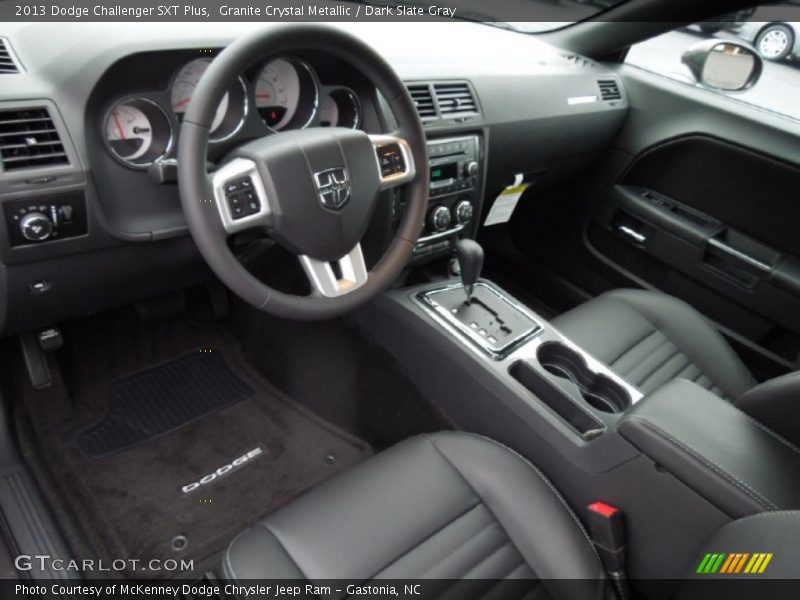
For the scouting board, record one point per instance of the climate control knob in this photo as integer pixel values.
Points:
(464, 212)
(35, 226)
(439, 218)
(471, 169)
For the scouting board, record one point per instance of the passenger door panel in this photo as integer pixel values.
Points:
(708, 208)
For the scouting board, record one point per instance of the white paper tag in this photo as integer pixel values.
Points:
(504, 204)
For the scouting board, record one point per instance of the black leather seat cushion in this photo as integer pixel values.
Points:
(649, 338)
(441, 506)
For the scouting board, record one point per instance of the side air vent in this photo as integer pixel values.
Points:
(454, 99)
(609, 89)
(423, 99)
(29, 139)
(8, 64)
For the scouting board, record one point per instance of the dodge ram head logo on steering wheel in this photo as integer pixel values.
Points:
(333, 187)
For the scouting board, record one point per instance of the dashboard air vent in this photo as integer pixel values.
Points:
(421, 94)
(609, 89)
(454, 98)
(578, 60)
(29, 139)
(8, 65)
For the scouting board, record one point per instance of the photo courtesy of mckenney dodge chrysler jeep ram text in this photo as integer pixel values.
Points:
(413, 299)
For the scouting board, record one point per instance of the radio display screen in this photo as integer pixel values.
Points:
(444, 172)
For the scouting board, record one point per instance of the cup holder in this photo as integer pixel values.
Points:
(598, 390)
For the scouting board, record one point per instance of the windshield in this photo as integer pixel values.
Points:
(528, 16)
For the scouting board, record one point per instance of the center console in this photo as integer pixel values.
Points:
(680, 462)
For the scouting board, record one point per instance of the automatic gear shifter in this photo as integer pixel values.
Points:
(469, 254)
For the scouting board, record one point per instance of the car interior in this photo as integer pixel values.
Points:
(323, 302)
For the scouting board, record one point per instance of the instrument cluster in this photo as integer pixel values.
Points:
(282, 93)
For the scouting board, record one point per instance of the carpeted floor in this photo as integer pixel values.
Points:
(131, 503)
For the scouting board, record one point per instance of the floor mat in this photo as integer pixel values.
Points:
(185, 493)
(161, 399)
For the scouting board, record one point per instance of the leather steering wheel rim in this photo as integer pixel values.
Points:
(198, 199)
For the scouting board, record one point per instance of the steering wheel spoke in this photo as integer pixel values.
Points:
(336, 278)
(395, 161)
(240, 196)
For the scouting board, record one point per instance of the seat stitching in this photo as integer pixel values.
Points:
(632, 347)
(664, 364)
(431, 535)
(480, 531)
(767, 513)
(557, 494)
(761, 426)
(755, 495)
(482, 560)
(725, 347)
(658, 366)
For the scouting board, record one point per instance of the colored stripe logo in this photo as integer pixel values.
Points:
(734, 563)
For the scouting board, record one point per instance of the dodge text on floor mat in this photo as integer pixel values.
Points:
(232, 466)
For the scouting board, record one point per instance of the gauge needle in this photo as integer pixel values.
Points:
(263, 95)
(119, 125)
(181, 103)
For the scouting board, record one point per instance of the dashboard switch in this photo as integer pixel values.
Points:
(35, 227)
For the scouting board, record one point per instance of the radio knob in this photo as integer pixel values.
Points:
(464, 212)
(35, 227)
(439, 218)
(471, 169)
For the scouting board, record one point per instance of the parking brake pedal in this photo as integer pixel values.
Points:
(34, 348)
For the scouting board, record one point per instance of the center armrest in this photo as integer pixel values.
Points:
(732, 460)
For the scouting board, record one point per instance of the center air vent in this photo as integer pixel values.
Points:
(8, 66)
(454, 98)
(609, 89)
(29, 139)
(421, 94)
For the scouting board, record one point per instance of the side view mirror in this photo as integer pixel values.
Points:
(724, 65)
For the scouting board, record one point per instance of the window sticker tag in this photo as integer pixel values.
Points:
(505, 203)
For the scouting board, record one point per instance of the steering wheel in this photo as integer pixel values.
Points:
(312, 191)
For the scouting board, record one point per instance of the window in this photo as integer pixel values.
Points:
(774, 32)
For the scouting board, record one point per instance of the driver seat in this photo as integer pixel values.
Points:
(441, 506)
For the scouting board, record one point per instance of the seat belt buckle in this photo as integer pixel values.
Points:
(607, 529)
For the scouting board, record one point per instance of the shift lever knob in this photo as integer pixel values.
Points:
(469, 254)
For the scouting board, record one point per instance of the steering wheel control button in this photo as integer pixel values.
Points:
(241, 198)
(391, 160)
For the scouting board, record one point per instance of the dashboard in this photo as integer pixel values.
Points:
(90, 215)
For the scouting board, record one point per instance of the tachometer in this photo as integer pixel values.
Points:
(183, 89)
(339, 109)
(138, 132)
(286, 94)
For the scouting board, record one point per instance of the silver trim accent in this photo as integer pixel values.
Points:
(754, 262)
(240, 124)
(323, 279)
(442, 234)
(14, 58)
(529, 348)
(405, 149)
(632, 234)
(237, 169)
(496, 353)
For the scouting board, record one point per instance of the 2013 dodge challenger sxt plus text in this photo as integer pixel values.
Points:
(503, 304)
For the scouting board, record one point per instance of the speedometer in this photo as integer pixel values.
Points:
(286, 94)
(183, 89)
